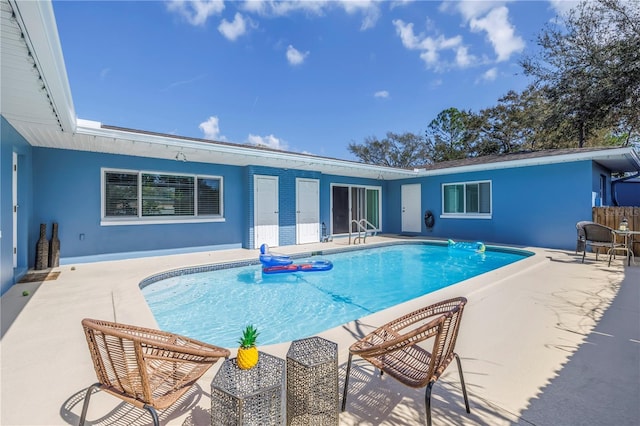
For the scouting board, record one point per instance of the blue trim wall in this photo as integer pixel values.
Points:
(11, 141)
(536, 205)
(68, 191)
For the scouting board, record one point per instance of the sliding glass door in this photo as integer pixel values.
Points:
(353, 203)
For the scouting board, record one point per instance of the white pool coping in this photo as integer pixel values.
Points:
(525, 325)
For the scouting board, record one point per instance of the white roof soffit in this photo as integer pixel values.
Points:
(617, 159)
(90, 136)
(34, 76)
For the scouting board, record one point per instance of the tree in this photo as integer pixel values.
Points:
(505, 127)
(450, 134)
(589, 71)
(406, 150)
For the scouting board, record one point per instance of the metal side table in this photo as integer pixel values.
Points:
(248, 397)
(312, 382)
(627, 247)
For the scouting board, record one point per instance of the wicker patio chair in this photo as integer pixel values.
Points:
(393, 348)
(580, 240)
(150, 369)
(599, 236)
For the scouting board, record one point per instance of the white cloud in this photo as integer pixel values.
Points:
(104, 73)
(196, 12)
(369, 8)
(211, 129)
(489, 75)
(431, 47)
(233, 30)
(500, 32)
(463, 58)
(381, 94)
(183, 82)
(295, 57)
(563, 6)
(470, 9)
(268, 141)
(282, 8)
(436, 83)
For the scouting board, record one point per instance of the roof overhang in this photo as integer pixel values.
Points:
(35, 88)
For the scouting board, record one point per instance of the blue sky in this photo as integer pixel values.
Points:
(303, 76)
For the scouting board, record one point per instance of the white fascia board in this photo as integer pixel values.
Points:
(552, 159)
(92, 128)
(38, 24)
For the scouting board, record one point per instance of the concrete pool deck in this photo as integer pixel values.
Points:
(545, 341)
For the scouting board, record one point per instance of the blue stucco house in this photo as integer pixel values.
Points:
(118, 193)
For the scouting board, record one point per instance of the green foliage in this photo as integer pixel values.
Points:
(450, 135)
(249, 336)
(588, 71)
(396, 150)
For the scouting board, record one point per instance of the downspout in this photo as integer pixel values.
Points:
(614, 195)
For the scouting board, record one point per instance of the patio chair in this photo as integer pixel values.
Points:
(150, 369)
(580, 241)
(599, 236)
(393, 348)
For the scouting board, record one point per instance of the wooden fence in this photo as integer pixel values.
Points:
(612, 216)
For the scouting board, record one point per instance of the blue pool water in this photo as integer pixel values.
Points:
(216, 306)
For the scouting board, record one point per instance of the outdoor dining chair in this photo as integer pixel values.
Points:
(394, 348)
(598, 236)
(150, 369)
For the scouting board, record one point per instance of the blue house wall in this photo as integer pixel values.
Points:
(68, 191)
(531, 205)
(536, 206)
(12, 142)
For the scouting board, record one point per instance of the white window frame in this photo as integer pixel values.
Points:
(150, 220)
(465, 215)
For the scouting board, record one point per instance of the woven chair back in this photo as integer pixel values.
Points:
(145, 366)
(445, 340)
(597, 233)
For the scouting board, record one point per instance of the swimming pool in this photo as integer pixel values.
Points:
(215, 306)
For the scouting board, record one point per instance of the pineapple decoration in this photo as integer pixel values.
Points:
(247, 352)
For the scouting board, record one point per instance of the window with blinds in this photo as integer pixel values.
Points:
(149, 195)
(468, 198)
(121, 194)
(209, 197)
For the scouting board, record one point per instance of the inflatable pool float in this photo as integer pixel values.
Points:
(279, 264)
(269, 259)
(478, 246)
(316, 265)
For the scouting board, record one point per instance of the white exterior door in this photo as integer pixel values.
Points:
(411, 208)
(14, 206)
(307, 211)
(265, 219)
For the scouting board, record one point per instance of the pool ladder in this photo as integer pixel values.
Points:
(363, 226)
